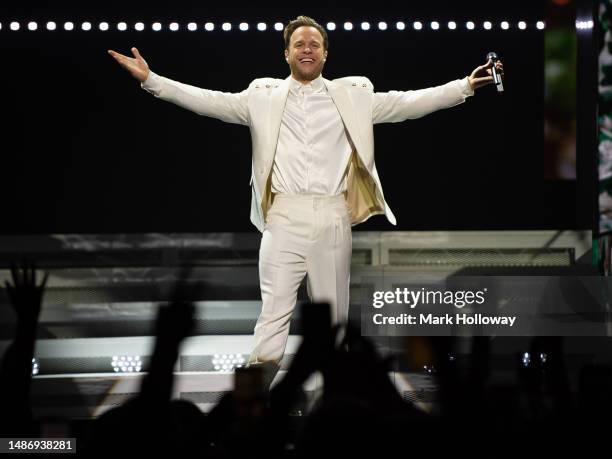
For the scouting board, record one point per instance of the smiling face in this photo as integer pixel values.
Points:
(306, 54)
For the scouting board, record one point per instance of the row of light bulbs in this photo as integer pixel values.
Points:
(278, 26)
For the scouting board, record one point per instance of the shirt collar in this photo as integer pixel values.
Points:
(317, 84)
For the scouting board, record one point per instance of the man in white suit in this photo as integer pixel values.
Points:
(313, 171)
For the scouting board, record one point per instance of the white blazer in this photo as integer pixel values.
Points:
(261, 106)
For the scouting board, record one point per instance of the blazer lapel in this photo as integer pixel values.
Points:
(278, 98)
(341, 99)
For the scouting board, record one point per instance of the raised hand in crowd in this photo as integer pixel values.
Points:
(161, 425)
(174, 323)
(25, 296)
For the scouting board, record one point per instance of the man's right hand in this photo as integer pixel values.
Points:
(137, 66)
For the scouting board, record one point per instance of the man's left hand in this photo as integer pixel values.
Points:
(483, 75)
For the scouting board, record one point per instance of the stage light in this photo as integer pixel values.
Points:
(543, 357)
(103, 26)
(156, 26)
(429, 369)
(400, 25)
(435, 25)
(86, 26)
(331, 26)
(122, 26)
(487, 25)
(126, 364)
(226, 26)
(209, 26)
(540, 25)
(522, 25)
(68, 26)
(417, 25)
(452, 25)
(584, 25)
(174, 26)
(526, 359)
(365, 26)
(243, 26)
(192, 26)
(34, 367)
(382, 25)
(51, 25)
(261, 26)
(505, 25)
(227, 362)
(278, 26)
(139, 26)
(470, 25)
(32, 26)
(348, 26)
(14, 26)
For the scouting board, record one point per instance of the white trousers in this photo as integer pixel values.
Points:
(303, 235)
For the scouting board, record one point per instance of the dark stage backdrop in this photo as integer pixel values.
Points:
(85, 149)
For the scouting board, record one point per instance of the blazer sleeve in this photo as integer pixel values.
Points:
(395, 106)
(225, 106)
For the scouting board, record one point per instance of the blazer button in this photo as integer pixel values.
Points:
(267, 86)
(364, 85)
(261, 171)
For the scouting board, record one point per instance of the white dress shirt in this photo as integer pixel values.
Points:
(313, 146)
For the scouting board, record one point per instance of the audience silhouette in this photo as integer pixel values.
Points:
(360, 411)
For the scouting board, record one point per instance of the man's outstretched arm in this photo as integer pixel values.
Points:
(225, 106)
(396, 106)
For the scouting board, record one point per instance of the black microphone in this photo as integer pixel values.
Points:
(497, 78)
